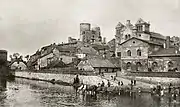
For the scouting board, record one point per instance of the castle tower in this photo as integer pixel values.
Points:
(96, 35)
(84, 31)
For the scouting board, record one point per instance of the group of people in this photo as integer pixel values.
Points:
(172, 91)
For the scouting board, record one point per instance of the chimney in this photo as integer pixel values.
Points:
(104, 40)
(167, 42)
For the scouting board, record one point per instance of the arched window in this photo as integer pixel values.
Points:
(139, 52)
(128, 65)
(126, 36)
(129, 36)
(138, 65)
(170, 64)
(128, 53)
(154, 64)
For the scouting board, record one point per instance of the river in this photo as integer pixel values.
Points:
(30, 93)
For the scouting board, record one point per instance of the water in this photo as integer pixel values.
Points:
(29, 93)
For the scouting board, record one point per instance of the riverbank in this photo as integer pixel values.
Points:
(143, 83)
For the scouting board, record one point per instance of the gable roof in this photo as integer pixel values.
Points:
(141, 21)
(102, 63)
(149, 42)
(88, 50)
(100, 47)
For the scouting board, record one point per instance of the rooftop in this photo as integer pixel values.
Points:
(166, 52)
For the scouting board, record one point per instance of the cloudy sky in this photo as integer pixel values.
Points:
(27, 25)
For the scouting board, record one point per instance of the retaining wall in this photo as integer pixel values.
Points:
(91, 80)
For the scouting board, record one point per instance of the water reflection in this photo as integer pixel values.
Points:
(28, 93)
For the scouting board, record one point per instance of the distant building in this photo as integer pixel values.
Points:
(89, 35)
(97, 65)
(18, 65)
(138, 47)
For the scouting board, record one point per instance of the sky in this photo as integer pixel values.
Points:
(28, 25)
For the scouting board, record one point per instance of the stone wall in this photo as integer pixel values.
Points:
(91, 80)
(162, 64)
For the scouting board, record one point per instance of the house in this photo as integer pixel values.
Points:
(165, 60)
(86, 51)
(135, 52)
(18, 65)
(141, 50)
(97, 65)
(56, 53)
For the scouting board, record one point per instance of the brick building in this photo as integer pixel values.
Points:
(139, 49)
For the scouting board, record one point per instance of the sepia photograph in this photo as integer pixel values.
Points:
(89, 53)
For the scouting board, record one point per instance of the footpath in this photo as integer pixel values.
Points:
(126, 81)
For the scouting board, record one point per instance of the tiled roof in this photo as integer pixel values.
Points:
(166, 52)
(157, 35)
(88, 50)
(101, 63)
(66, 49)
(149, 42)
(115, 61)
(100, 47)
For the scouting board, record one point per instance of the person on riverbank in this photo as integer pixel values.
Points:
(159, 89)
(114, 78)
(122, 83)
(76, 80)
(102, 84)
(119, 83)
(108, 84)
(169, 88)
(134, 82)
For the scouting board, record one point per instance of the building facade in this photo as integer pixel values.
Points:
(137, 47)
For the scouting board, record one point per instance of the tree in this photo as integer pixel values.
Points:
(16, 55)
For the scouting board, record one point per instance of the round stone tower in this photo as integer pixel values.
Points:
(84, 27)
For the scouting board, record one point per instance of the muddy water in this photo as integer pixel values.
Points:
(29, 93)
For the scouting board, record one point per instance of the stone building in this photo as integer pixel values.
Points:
(138, 47)
(90, 35)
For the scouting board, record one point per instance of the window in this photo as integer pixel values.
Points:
(128, 53)
(126, 36)
(154, 64)
(170, 64)
(139, 52)
(83, 32)
(139, 35)
(93, 32)
(119, 54)
(128, 65)
(129, 36)
(134, 42)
